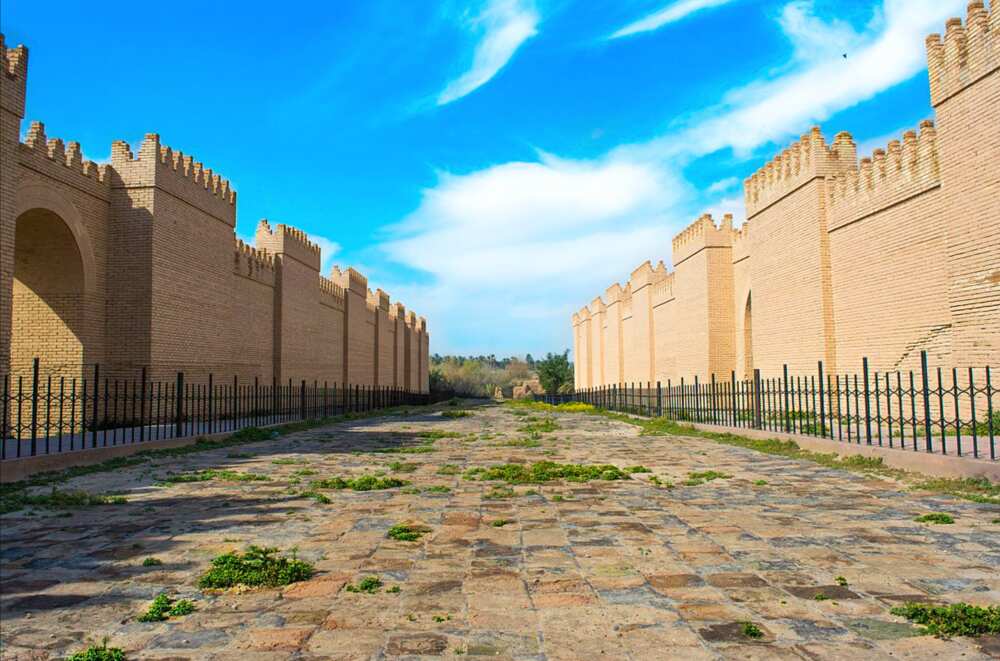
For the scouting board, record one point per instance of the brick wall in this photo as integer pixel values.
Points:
(840, 259)
(136, 264)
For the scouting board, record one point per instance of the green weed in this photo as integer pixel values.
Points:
(361, 483)
(212, 474)
(953, 620)
(751, 630)
(164, 607)
(403, 467)
(98, 653)
(935, 517)
(152, 562)
(367, 585)
(257, 567)
(546, 471)
(500, 523)
(402, 532)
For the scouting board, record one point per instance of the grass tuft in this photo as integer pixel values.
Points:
(367, 585)
(402, 532)
(953, 620)
(98, 653)
(546, 471)
(751, 630)
(258, 567)
(935, 517)
(164, 607)
(362, 483)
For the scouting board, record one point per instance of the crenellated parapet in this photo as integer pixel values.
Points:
(741, 242)
(14, 69)
(330, 293)
(663, 290)
(178, 174)
(253, 264)
(965, 54)
(289, 241)
(701, 234)
(382, 300)
(350, 280)
(797, 165)
(63, 162)
(889, 176)
(397, 311)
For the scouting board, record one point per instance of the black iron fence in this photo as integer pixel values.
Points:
(940, 411)
(46, 414)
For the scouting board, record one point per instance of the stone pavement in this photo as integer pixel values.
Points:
(599, 570)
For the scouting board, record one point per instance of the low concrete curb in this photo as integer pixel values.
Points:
(936, 465)
(15, 470)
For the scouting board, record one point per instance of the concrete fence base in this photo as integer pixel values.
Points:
(936, 465)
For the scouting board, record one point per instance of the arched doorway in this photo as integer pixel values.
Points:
(748, 339)
(49, 313)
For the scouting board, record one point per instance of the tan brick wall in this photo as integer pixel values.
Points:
(841, 260)
(136, 264)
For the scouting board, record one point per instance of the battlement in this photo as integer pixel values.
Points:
(741, 242)
(350, 280)
(287, 240)
(14, 68)
(887, 177)
(966, 54)
(63, 161)
(382, 300)
(800, 163)
(613, 294)
(397, 311)
(252, 263)
(160, 166)
(702, 233)
(330, 293)
(663, 290)
(422, 325)
(411, 320)
(597, 306)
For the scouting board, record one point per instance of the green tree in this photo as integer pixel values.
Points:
(555, 372)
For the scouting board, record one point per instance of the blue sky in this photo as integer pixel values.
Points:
(493, 164)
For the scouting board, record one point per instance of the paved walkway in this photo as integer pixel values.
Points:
(609, 570)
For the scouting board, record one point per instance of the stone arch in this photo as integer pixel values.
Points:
(54, 284)
(748, 337)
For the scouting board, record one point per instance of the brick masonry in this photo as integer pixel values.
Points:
(838, 259)
(135, 263)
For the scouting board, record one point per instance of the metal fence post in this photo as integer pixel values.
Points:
(34, 404)
(927, 400)
(868, 409)
(756, 398)
(302, 400)
(179, 406)
(142, 407)
(822, 403)
(659, 400)
(784, 388)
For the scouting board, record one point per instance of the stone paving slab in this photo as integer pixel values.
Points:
(599, 570)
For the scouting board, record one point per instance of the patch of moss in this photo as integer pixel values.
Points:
(702, 477)
(152, 562)
(403, 467)
(500, 523)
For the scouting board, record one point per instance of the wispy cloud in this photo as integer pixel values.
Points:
(550, 235)
(502, 27)
(672, 13)
(891, 52)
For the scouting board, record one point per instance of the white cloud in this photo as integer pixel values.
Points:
(672, 13)
(770, 110)
(543, 238)
(722, 185)
(522, 245)
(503, 26)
